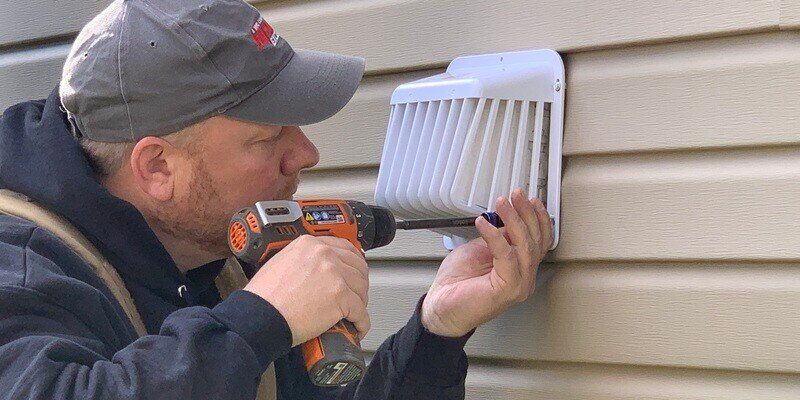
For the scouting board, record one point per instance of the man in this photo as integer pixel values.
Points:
(170, 116)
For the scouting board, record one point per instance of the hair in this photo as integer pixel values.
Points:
(106, 158)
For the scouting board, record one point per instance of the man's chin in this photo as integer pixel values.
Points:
(290, 196)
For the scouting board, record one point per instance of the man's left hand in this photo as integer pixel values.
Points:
(483, 278)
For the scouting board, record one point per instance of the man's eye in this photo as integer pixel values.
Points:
(267, 141)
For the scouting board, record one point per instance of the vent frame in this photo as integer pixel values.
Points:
(458, 140)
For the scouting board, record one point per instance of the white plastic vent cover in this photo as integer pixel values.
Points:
(459, 140)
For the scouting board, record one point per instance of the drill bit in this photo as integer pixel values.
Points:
(434, 223)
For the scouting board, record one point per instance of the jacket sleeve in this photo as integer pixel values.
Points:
(411, 364)
(48, 352)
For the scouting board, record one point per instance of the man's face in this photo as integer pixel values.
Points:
(233, 166)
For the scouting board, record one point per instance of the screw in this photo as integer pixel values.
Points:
(558, 86)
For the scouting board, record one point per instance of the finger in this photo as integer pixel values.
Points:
(357, 262)
(517, 231)
(505, 259)
(356, 312)
(545, 224)
(527, 212)
(528, 215)
(493, 237)
(340, 243)
(355, 281)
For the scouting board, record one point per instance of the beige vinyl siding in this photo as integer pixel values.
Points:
(409, 34)
(664, 314)
(570, 381)
(30, 73)
(678, 271)
(790, 15)
(23, 21)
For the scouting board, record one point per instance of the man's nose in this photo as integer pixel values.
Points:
(301, 153)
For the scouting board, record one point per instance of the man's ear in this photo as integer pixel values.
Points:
(153, 166)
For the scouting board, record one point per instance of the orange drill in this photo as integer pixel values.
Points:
(257, 233)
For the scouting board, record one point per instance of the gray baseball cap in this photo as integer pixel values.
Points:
(152, 67)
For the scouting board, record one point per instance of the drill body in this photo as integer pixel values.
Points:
(257, 233)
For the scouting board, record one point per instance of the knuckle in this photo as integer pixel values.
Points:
(344, 310)
(305, 239)
(357, 298)
(507, 254)
(325, 250)
(321, 250)
(362, 301)
(341, 241)
(532, 252)
(510, 298)
(327, 267)
(363, 268)
(516, 289)
(339, 287)
(522, 294)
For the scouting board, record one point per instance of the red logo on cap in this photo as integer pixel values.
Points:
(263, 34)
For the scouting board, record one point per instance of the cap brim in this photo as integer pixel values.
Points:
(311, 88)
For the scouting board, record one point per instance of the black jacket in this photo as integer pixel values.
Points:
(64, 336)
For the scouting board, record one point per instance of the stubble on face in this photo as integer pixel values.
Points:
(200, 216)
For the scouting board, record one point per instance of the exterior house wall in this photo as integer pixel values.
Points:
(678, 271)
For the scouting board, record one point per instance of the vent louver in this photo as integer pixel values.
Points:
(459, 140)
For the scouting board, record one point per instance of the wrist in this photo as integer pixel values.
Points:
(256, 321)
(283, 311)
(431, 320)
(430, 359)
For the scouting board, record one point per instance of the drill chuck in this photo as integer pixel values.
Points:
(376, 225)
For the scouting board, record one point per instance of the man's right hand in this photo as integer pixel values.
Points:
(314, 282)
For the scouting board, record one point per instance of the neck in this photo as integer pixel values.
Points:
(187, 256)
